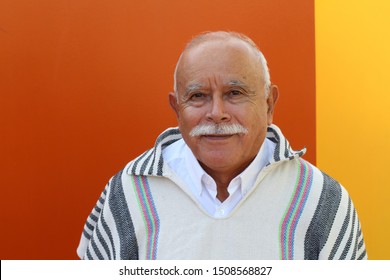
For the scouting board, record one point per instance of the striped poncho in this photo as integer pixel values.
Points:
(295, 211)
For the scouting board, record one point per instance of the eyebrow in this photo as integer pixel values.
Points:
(193, 87)
(236, 83)
(196, 86)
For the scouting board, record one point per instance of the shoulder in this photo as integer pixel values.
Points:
(152, 162)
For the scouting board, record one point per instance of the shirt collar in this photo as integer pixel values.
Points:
(197, 173)
(250, 174)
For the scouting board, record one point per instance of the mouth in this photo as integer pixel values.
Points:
(217, 136)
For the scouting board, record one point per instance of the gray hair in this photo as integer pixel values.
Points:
(203, 37)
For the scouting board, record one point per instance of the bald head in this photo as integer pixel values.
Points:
(227, 38)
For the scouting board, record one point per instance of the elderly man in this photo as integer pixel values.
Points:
(225, 184)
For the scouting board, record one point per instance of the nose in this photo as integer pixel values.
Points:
(218, 112)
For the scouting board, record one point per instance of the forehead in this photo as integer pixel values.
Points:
(228, 60)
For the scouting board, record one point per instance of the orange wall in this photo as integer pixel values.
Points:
(83, 89)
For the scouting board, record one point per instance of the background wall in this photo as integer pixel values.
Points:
(84, 85)
(84, 89)
(353, 101)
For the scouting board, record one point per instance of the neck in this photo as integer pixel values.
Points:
(223, 177)
(222, 186)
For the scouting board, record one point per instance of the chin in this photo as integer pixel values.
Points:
(218, 162)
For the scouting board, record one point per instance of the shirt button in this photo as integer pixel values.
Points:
(221, 212)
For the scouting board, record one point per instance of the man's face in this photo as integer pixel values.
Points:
(220, 82)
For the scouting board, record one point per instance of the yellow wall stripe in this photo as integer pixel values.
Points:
(353, 108)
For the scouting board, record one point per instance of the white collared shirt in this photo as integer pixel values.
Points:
(180, 159)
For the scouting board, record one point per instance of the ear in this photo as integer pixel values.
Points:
(173, 103)
(273, 96)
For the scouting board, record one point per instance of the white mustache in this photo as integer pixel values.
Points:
(218, 129)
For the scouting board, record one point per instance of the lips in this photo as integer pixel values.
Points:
(218, 137)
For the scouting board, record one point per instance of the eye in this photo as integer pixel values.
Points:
(234, 93)
(197, 96)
